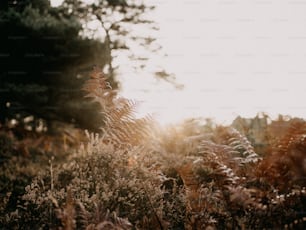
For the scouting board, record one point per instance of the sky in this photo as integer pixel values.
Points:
(234, 57)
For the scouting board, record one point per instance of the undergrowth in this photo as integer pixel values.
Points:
(137, 175)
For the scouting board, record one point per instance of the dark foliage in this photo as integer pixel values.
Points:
(44, 62)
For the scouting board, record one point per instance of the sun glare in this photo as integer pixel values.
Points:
(56, 3)
(233, 57)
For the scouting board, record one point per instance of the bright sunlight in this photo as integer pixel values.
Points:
(233, 58)
(144, 114)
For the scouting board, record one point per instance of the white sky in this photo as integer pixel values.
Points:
(235, 57)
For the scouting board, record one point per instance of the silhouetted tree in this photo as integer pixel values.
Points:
(113, 19)
(46, 54)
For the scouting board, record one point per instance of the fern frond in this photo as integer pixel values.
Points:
(284, 167)
(121, 127)
(241, 144)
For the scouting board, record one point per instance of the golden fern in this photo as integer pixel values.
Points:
(284, 164)
(121, 126)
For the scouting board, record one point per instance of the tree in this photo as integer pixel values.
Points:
(47, 53)
(43, 64)
(113, 20)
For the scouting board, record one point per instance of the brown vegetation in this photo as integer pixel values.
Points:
(133, 175)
